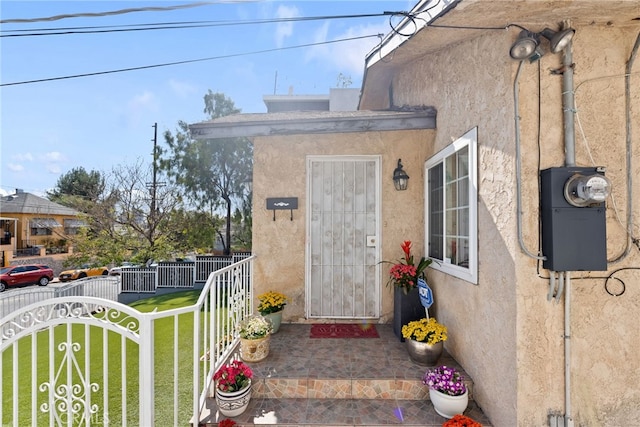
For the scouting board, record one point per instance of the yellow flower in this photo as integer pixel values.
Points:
(425, 330)
(271, 302)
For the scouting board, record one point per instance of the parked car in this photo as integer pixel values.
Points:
(115, 271)
(32, 274)
(81, 273)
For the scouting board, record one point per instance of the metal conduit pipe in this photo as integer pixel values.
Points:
(568, 107)
(516, 106)
(629, 147)
(568, 420)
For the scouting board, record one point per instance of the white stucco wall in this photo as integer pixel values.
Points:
(504, 331)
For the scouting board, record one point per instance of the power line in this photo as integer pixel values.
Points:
(114, 12)
(177, 25)
(189, 61)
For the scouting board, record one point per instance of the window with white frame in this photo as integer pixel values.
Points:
(451, 208)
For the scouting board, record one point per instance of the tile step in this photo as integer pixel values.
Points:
(336, 388)
(341, 412)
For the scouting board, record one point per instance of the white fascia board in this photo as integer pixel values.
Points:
(407, 28)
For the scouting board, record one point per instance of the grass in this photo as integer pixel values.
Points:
(120, 379)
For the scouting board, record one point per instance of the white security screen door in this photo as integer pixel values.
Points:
(342, 273)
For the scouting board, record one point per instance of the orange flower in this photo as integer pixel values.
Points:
(460, 420)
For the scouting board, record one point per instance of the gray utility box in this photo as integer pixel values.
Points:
(573, 238)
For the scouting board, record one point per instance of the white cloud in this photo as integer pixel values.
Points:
(54, 156)
(181, 89)
(53, 168)
(23, 157)
(139, 106)
(13, 167)
(285, 29)
(345, 57)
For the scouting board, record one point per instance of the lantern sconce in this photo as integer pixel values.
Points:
(400, 177)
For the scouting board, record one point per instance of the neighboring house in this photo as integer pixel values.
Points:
(543, 347)
(32, 223)
(338, 99)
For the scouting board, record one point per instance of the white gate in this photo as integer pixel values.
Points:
(342, 243)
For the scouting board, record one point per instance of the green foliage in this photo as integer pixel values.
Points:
(214, 173)
(193, 230)
(78, 189)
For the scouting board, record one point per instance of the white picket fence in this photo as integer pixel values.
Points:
(81, 360)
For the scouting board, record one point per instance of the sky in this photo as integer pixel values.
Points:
(98, 122)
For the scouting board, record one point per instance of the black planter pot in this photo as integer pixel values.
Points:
(406, 308)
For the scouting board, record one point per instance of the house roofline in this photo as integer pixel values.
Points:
(320, 122)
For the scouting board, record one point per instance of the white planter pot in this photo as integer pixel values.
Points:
(448, 406)
(232, 404)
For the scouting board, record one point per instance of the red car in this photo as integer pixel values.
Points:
(16, 275)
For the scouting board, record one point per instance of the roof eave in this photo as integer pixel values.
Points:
(378, 121)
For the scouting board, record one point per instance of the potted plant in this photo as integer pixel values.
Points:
(425, 338)
(271, 306)
(447, 391)
(460, 420)
(233, 388)
(254, 334)
(403, 276)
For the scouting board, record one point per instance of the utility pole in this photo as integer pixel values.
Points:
(154, 186)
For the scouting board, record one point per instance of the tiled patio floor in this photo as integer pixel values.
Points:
(342, 382)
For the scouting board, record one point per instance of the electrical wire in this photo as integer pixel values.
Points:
(178, 25)
(110, 13)
(189, 61)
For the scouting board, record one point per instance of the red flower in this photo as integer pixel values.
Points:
(233, 376)
(227, 423)
(405, 273)
(406, 247)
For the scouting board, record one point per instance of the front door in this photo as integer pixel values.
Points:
(343, 207)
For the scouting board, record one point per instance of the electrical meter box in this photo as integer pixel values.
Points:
(573, 238)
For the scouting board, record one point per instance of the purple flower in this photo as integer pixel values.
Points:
(445, 380)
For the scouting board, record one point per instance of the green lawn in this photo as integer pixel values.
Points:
(164, 362)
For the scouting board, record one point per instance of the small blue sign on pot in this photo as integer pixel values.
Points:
(426, 296)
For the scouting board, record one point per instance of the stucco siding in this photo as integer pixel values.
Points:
(504, 331)
(469, 89)
(280, 171)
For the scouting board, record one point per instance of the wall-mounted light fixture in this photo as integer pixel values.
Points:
(400, 177)
(527, 45)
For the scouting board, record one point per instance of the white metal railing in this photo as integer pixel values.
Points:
(81, 360)
(175, 274)
(100, 287)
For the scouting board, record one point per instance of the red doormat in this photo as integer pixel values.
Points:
(343, 330)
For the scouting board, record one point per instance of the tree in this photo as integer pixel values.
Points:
(215, 173)
(78, 189)
(121, 224)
